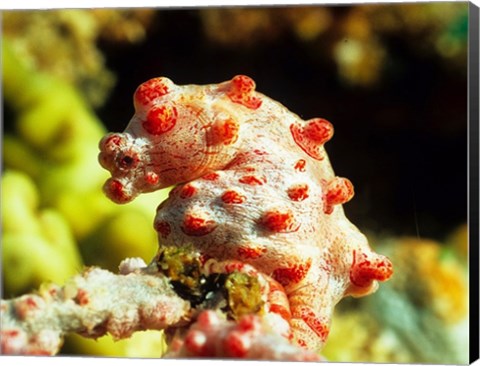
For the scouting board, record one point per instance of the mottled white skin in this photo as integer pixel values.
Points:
(313, 257)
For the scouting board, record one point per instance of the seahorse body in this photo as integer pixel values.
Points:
(253, 184)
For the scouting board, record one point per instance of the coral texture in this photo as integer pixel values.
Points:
(254, 187)
(90, 304)
(211, 336)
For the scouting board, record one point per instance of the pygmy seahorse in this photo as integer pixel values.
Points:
(253, 184)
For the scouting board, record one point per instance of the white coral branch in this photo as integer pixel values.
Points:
(91, 304)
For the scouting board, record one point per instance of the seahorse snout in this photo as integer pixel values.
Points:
(117, 191)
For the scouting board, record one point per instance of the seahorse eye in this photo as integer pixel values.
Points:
(127, 161)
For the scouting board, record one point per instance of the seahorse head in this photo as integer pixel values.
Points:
(177, 134)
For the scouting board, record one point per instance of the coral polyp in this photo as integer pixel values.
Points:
(254, 186)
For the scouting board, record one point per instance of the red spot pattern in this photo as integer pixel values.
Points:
(282, 311)
(196, 343)
(10, 333)
(163, 228)
(249, 323)
(319, 325)
(242, 92)
(151, 178)
(302, 343)
(187, 191)
(300, 165)
(280, 221)
(236, 345)
(298, 192)
(82, 298)
(31, 303)
(160, 119)
(23, 307)
(311, 135)
(197, 225)
(233, 197)
(365, 270)
(293, 274)
(224, 132)
(338, 191)
(111, 141)
(211, 176)
(252, 180)
(251, 252)
(278, 300)
(115, 191)
(151, 90)
(234, 266)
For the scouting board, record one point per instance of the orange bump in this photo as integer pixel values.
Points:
(320, 325)
(233, 197)
(280, 221)
(312, 135)
(151, 90)
(116, 191)
(365, 270)
(242, 92)
(224, 131)
(337, 191)
(187, 191)
(160, 119)
(293, 274)
(210, 176)
(298, 192)
(163, 228)
(152, 178)
(198, 225)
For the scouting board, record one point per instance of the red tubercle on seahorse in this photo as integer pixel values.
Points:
(311, 135)
(211, 176)
(364, 269)
(337, 191)
(116, 191)
(151, 178)
(242, 92)
(279, 221)
(298, 192)
(187, 191)
(233, 197)
(150, 90)
(160, 119)
(293, 274)
(198, 224)
(223, 131)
